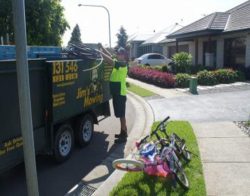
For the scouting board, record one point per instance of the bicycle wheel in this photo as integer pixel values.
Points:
(181, 177)
(128, 165)
(186, 155)
(182, 148)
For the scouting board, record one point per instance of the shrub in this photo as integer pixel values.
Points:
(242, 71)
(245, 70)
(162, 68)
(206, 78)
(141, 65)
(152, 76)
(225, 76)
(241, 76)
(157, 67)
(182, 80)
(181, 62)
(220, 76)
(165, 68)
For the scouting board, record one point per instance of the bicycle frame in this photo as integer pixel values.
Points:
(159, 168)
(161, 163)
(169, 154)
(178, 143)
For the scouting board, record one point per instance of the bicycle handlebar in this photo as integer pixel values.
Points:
(161, 123)
(153, 133)
(142, 141)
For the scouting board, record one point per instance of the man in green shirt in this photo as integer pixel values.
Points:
(118, 87)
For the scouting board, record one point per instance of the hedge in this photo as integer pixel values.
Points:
(220, 76)
(182, 80)
(206, 78)
(168, 80)
(158, 78)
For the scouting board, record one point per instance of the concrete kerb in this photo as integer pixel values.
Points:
(144, 119)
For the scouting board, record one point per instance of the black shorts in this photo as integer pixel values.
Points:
(119, 104)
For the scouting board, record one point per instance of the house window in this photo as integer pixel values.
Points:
(144, 49)
(171, 51)
(181, 48)
(234, 52)
(209, 51)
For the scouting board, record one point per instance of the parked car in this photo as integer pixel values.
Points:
(151, 59)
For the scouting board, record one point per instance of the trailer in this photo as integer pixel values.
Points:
(68, 96)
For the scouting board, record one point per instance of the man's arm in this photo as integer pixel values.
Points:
(104, 50)
(106, 55)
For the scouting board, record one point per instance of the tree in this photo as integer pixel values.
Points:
(6, 18)
(45, 21)
(122, 38)
(75, 36)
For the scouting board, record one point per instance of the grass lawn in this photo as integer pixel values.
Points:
(138, 183)
(248, 123)
(139, 91)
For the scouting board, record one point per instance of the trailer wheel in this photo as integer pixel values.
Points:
(84, 129)
(64, 142)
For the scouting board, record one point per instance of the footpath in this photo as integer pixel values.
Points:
(225, 155)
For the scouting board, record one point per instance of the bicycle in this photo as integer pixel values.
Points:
(179, 144)
(154, 160)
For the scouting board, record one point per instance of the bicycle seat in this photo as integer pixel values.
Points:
(148, 149)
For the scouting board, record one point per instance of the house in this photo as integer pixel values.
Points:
(134, 42)
(155, 42)
(221, 39)
(147, 43)
(169, 47)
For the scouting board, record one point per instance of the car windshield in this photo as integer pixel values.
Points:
(152, 56)
(155, 56)
(143, 56)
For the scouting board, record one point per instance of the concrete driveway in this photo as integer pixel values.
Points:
(224, 106)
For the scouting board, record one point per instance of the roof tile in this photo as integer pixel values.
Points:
(237, 18)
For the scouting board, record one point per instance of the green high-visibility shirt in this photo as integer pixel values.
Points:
(118, 79)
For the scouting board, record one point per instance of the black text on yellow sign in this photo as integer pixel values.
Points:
(64, 71)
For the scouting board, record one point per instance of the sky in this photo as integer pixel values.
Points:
(136, 16)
